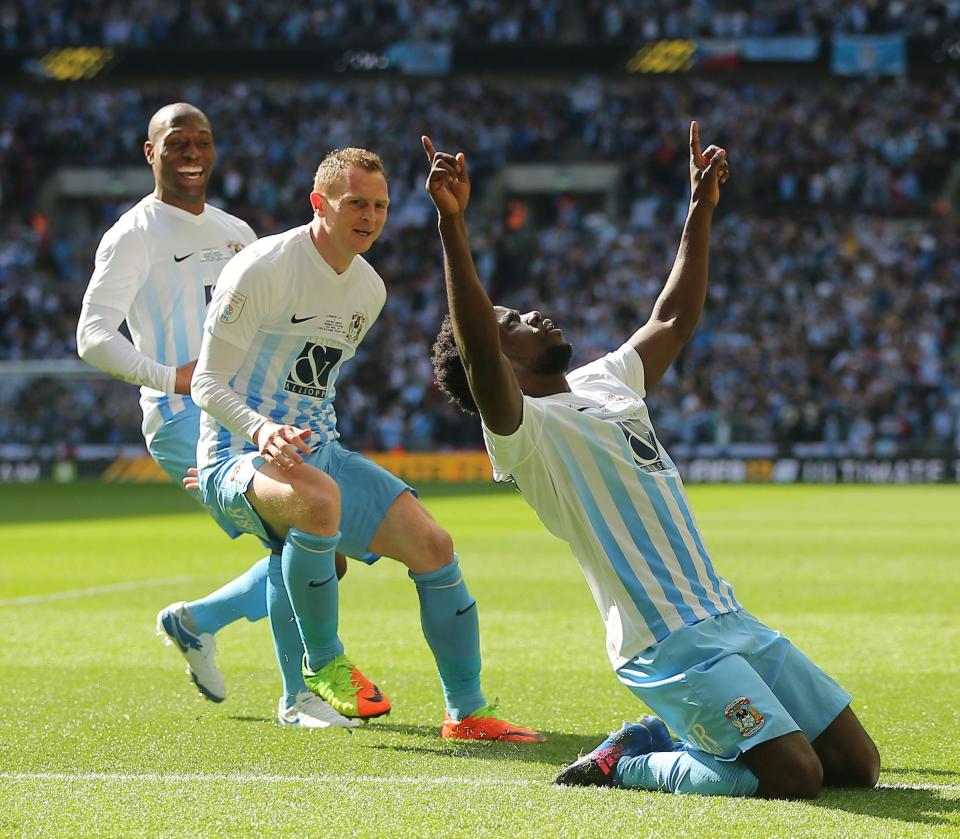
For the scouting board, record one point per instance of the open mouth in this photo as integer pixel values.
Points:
(364, 233)
(191, 173)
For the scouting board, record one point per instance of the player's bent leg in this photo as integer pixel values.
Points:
(243, 597)
(410, 535)
(304, 498)
(849, 756)
(785, 767)
(448, 616)
(302, 506)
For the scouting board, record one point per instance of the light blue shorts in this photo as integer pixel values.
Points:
(174, 446)
(730, 682)
(367, 491)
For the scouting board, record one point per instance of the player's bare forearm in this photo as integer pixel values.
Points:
(492, 380)
(681, 301)
(678, 307)
(474, 323)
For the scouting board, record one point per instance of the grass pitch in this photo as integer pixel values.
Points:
(101, 733)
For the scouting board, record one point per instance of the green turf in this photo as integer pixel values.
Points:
(101, 734)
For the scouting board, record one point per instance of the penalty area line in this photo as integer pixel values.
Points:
(241, 778)
(90, 592)
(401, 780)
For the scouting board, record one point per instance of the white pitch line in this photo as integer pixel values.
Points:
(241, 778)
(922, 787)
(192, 777)
(90, 592)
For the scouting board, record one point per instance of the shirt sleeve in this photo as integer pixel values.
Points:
(119, 269)
(100, 343)
(510, 451)
(623, 364)
(240, 302)
(218, 363)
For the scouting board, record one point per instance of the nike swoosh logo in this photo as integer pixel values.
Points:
(295, 319)
(318, 583)
(464, 611)
(181, 258)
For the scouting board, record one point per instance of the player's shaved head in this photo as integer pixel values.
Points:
(175, 112)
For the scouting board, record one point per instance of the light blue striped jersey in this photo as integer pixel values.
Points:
(158, 265)
(297, 321)
(590, 465)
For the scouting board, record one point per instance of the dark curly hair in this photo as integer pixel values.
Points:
(448, 369)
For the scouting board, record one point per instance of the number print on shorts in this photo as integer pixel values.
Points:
(698, 737)
(311, 371)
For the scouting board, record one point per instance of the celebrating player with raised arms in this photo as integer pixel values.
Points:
(156, 269)
(753, 714)
(286, 315)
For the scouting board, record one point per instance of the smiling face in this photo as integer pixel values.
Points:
(349, 215)
(181, 153)
(533, 341)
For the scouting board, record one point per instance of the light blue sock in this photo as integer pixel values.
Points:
(310, 576)
(244, 597)
(685, 771)
(286, 636)
(448, 615)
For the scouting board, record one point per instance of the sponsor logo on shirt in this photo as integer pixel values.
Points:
(231, 306)
(643, 445)
(310, 374)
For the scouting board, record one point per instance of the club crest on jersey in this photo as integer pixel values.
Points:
(356, 327)
(235, 247)
(747, 719)
(231, 306)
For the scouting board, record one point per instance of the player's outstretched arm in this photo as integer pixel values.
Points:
(677, 309)
(492, 380)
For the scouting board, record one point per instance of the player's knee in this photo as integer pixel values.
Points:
(319, 505)
(803, 778)
(863, 769)
(438, 550)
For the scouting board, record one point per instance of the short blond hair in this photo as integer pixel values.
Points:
(339, 160)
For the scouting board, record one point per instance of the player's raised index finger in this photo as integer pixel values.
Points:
(428, 147)
(694, 139)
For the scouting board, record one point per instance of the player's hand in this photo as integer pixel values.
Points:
(184, 374)
(191, 481)
(448, 182)
(282, 445)
(708, 170)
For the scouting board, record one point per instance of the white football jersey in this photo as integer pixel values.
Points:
(158, 265)
(590, 465)
(297, 321)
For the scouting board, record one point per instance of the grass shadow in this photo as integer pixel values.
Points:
(560, 748)
(913, 806)
(242, 718)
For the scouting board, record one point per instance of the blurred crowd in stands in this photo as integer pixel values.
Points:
(41, 24)
(834, 306)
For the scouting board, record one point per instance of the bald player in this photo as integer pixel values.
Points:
(156, 269)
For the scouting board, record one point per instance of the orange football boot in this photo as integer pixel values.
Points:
(484, 724)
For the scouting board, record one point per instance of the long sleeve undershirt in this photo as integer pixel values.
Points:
(100, 343)
(218, 363)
